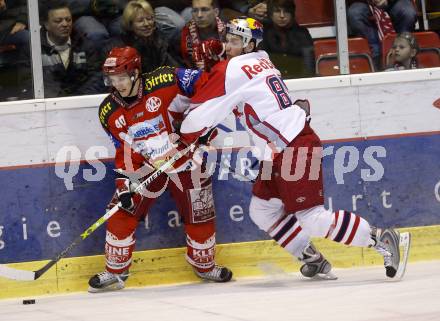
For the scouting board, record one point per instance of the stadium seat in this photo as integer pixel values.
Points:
(327, 59)
(315, 13)
(4, 48)
(8, 54)
(429, 43)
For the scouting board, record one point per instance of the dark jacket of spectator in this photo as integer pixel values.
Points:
(154, 52)
(16, 11)
(391, 3)
(81, 77)
(294, 40)
(176, 5)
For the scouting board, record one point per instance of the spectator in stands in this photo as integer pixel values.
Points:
(67, 67)
(285, 36)
(376, 18)
(204, 25)
(139, 31)
(168, 17)
(256, 9)
(402, 54)
(13, 23)
(99, 20)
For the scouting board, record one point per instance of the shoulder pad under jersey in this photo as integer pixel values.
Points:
(107, 107)
(158, 78)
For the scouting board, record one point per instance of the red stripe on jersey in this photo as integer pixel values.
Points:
(353, 231)
(276, 131)
(248, 110)
(215, 85)
(292, 236)
(332, 227)
(190, 138)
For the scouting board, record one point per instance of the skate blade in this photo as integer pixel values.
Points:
(324, 277)
(114, 287)
(404, 247)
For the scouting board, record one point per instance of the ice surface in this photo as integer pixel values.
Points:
(362, 294)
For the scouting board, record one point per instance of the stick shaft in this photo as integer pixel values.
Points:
(27, 275)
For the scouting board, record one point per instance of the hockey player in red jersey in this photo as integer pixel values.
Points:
(138, 116)
(251, 87)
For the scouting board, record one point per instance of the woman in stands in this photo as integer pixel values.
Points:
(285, 36)
(402, 54)
(140, 32)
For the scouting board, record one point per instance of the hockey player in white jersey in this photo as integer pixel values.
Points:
(251, 87)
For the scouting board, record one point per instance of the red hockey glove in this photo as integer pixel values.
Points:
(209, 52)
(124, 194)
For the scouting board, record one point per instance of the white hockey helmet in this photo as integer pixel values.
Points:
(247, 28)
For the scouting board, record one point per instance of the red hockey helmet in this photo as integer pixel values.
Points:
(120, 60)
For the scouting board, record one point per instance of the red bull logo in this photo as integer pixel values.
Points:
(254, 24)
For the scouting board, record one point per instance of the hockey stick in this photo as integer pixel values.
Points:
(405, 243)
(23, 275)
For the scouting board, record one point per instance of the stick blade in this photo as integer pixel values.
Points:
(405, 244)
(14, 274)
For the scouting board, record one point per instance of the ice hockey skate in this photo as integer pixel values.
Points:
(217, 274)
(388, 244)
(107, 281)
(316, 265)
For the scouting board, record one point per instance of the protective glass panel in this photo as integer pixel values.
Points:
(15, 66)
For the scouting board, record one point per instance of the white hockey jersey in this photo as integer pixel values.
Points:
(250, 86)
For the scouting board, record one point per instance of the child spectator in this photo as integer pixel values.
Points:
(285, 36)
(373, 19)
(402, 54)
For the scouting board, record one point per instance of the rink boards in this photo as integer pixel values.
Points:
(383, 161)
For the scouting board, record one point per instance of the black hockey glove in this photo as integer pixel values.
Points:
(208, 137)
(124, 194)
(304, 105)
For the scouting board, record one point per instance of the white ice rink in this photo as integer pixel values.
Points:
(358, 295)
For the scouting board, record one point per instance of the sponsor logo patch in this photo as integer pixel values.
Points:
(202, 204)
(151, 127)
(159, 79)
(153, 104)
(110, 62)
(104, 113)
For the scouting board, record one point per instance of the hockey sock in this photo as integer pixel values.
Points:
(349, 229)
(118, 253)
(288, 234)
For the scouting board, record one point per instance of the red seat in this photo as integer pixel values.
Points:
(314, 13)
(8, 55)
(6, 48)
(327, 59)
(429, 43)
